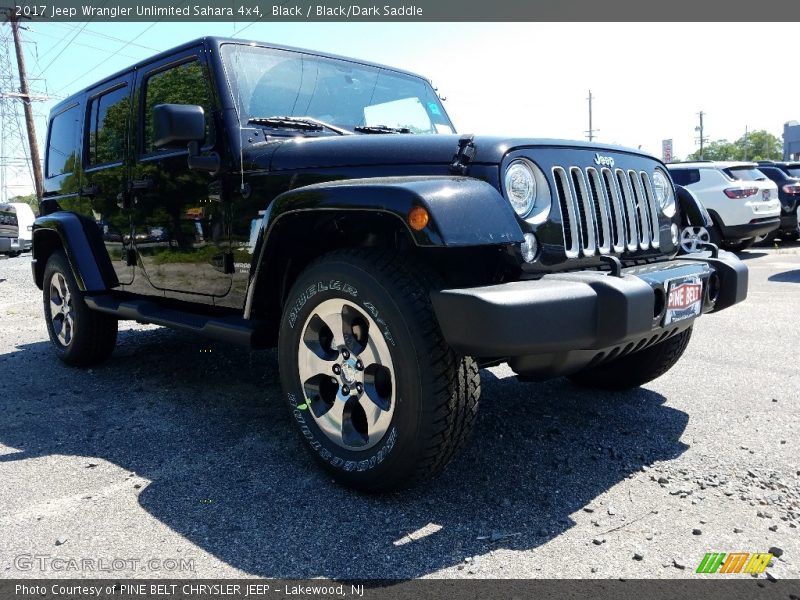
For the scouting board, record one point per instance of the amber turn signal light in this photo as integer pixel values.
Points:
(418, 218)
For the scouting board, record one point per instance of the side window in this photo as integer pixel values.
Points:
(184, 84)
(107, 127)
(62, 143)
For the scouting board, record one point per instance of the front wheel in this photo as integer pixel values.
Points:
(638, 368)
(378, 397)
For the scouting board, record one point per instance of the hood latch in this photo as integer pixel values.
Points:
(464, 155)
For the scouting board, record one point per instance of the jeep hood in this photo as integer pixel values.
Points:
(403, 149)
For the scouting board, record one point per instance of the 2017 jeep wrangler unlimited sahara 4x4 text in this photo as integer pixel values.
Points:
(280, 197)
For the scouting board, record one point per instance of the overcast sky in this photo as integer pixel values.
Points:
(649, 81)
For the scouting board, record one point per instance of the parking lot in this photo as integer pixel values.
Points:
(177, 458)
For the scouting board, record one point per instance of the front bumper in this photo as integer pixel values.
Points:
(562, 322)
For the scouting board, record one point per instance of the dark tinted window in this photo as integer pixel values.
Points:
(184, 84)
(744, 173)
(773, 173)
(61, 145)
(108, 124)
(685, 176)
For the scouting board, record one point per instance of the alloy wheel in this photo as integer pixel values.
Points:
(347, 374)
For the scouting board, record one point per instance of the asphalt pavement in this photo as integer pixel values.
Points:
(177, 458)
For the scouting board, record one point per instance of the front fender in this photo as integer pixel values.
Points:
(693, 210)
(83, 245)
(463, 211)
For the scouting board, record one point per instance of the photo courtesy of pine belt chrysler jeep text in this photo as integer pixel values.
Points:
(283, 198)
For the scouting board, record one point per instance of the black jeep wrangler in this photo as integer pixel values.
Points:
(278, 197)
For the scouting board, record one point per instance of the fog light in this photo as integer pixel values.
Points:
(529, 248)
(674, 231)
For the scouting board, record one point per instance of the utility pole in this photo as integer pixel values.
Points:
(745, 142)
(26, 100)
(590, 132)
(702, 139)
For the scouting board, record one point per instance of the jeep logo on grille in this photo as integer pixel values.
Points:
(603, 161)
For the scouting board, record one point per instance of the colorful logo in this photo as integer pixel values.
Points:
(735, 562)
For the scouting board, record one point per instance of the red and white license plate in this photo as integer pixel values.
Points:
(684, 299)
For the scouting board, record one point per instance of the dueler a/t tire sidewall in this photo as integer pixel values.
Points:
(396, 456)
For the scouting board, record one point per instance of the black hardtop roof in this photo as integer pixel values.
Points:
(216, 42)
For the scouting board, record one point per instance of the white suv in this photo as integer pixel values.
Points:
(742, 202)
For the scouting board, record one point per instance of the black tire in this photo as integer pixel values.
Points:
(436, 392)
(92, 335)
(638, 368)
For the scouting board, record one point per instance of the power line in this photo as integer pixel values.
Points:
(117, 51)
(62, 50)
(107, 36)
(83, 45)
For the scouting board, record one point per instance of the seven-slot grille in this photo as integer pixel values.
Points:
(606, 210)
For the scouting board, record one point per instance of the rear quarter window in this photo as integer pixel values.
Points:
(62, 142)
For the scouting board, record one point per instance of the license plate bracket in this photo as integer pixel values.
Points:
(684, 299)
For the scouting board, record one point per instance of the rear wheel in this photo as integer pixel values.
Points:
(379, 398)
(638, 368)
(81, 337)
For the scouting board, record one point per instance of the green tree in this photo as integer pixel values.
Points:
(756, 145)
(759, 145)
(30, 200)
(716, 150)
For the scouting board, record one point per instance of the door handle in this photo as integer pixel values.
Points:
(89, 190)
(142, 184)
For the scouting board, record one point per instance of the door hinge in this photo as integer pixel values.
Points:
(464, 155)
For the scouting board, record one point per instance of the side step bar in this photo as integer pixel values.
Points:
(237, 330)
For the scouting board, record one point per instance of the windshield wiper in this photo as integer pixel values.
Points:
(380, 129)
(302, 123)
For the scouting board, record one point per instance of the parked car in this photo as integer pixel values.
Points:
(786, 176)
(9, 231)
(742, 202)
(25, 219)
(393, 257)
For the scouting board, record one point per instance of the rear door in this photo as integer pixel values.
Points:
(105, 176)
(180, 230)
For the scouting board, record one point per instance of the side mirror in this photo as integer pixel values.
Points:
(184, 125)
(175, 125)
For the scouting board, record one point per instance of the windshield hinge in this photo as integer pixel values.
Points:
(464, 155)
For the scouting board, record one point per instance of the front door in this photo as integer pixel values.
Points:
(180, 233)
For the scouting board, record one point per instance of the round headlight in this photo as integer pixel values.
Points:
(520, 187)
(663, 191)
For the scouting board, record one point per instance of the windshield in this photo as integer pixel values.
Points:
(745, 174)
(267, 82)
(794, 171)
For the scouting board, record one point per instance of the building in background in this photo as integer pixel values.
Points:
(791, 140)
